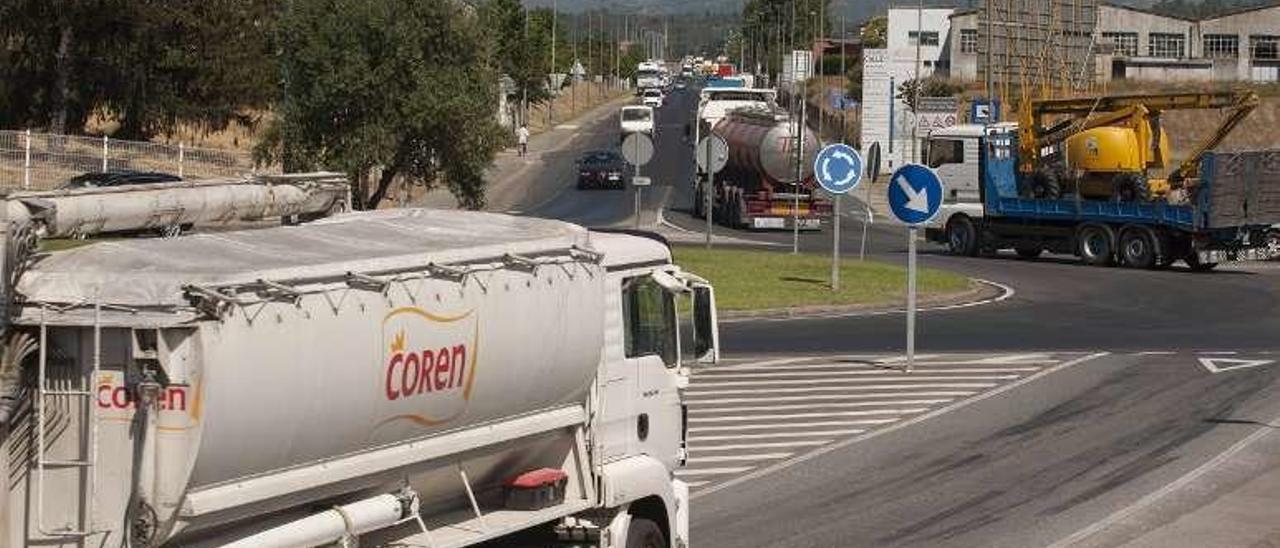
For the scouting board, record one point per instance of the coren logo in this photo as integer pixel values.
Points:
(429, 364)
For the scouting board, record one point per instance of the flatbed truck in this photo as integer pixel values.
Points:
(1226, 215)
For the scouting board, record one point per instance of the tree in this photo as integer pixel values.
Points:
(933, 87)
(875, 34)
(387, 90)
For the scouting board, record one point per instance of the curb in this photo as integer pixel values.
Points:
(980, 292)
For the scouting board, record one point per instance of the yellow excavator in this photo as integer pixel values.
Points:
(1113, 147)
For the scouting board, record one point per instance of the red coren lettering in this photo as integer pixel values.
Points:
(425, 372)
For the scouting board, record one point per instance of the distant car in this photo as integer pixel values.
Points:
(652, 98)
(635, 119)
(602, 169)
(103, 179)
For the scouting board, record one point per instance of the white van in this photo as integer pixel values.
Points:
(636, 118)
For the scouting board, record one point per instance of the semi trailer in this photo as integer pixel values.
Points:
(398, 377)
(760, 187)
(1225, 213)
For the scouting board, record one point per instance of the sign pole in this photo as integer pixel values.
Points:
(866, 220)
(639, 189)
(911, 297)
(835, 246)
(710, 190)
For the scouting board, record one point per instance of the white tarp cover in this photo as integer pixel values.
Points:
(152, 272)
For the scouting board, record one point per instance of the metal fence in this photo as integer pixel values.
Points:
(40, 161)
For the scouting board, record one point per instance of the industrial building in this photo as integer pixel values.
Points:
(1138, 44)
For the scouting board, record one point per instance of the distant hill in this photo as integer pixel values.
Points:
(865, 9)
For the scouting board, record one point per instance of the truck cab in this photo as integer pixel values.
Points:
(954, 153)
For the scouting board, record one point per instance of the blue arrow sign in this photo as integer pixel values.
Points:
(838, 168)
(915, 194)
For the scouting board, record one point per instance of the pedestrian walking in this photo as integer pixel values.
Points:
(522, 137)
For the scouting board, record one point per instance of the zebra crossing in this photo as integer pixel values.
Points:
(752, 414)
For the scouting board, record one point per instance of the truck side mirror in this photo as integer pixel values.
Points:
(706, 337)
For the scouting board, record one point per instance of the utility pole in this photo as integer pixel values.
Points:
(915, 92)
(550, 114)
(990, 42)
(524, 86)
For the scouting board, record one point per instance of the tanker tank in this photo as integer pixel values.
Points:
(761, 150)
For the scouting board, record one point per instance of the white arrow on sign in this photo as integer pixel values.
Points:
(1218, 365)
(916, 201)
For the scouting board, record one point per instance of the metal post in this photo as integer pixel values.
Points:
(915, 109)
(26, 161)
(556, 91)
(866, 219)
(181, 155)
(795, 208)
(911, 297)
(639, 189)
(835, 246)
(711, 186)
(104, 153)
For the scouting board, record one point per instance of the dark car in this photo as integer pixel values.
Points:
(101, 179)
(602, 169)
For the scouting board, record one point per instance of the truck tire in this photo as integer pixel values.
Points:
(644, 533)
(1193, 262)
(1045, 184)
(1138, 247)
(1095, 244)
(1131, 187)
(962, 236)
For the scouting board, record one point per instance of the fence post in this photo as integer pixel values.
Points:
(26, 161)
(181, 151)
(104, 153)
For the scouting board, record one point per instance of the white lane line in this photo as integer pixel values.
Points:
(867, 413)
(692, 392)
(1157, 353)
(860, 422)
(1011, 359)
(749, 446)
(815, 399)
(853, 373)
(895, 427)
(903, 358)
(738, 458)
(711, 471)
(847, 432)
(1142, 503)
(899, 378)
(847, 366)
(1219, 353)
(705, 410)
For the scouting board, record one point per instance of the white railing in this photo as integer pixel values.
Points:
(41, 161)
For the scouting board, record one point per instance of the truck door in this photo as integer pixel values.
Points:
(651, 349)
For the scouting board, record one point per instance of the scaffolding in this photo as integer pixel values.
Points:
(1038, 49)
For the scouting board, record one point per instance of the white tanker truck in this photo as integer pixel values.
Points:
(403, 377)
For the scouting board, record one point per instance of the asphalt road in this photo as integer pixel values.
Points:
(1126, 407)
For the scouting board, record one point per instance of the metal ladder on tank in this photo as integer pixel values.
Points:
(88, 454)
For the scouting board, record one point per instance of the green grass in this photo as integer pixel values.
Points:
(759, 280)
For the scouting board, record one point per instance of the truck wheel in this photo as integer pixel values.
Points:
(1193, 262)
(643, 533)
(1131, 187)
(1028, 251)
(962, 236)
(1095, 244)
(1138, 248)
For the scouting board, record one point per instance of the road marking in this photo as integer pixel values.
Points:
(703, 410)
(759, 472)
(741, 446)
(731, 370)
(1218, 365)
(711, 471)
(692, 392)
(952, 393)
(791, 426)
(907, 377)
(900, 411)
(731, 458)
(1157, 353)
(858, 372)
(1014, 359)
(848, 432)
(1179, 483)
(1220, 353)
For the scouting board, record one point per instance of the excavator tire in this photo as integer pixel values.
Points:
(1131, 187)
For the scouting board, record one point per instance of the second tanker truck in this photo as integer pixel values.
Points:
(760, 187)
(400, 377)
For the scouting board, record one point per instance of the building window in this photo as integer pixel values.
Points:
(930, 38)
(1264, 47)
(1167, 45)
(1221, 46)
(1126, 43)
(968, 40)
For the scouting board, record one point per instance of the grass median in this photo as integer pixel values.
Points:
(766, 280)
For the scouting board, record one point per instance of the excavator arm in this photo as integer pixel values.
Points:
(1190, 167)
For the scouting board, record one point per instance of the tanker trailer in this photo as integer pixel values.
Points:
(758, 187)
(406, 377)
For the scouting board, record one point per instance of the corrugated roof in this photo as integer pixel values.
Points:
(152, 272)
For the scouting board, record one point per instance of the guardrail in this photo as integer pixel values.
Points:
(41, 161)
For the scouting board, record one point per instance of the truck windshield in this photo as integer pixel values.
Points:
(635, 115)
(648, 313)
